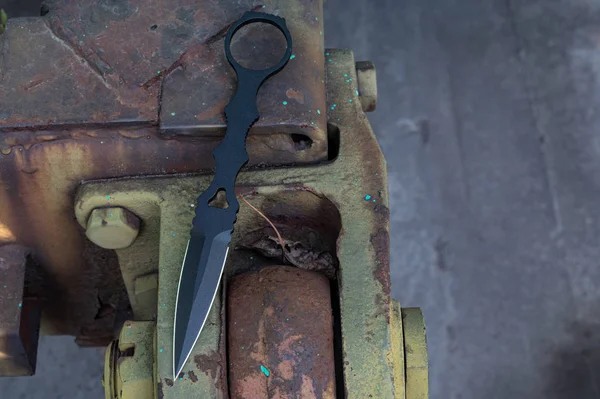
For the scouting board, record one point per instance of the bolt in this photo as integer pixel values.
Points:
(112, 228)
(367, 85)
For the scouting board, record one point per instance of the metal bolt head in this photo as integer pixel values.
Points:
(112, 228)
(367, 85)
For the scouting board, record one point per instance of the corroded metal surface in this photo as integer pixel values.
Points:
(293, 102)
(355, 183)
(79, 96)
(48, 79)
(103, 63)
(280, 329)
(19, 315)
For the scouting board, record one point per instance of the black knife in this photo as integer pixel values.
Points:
(212, 226)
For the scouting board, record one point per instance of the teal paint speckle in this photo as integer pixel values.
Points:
(180, 378)
(158, 72)
(350, 100)
(319, 111)
(345, 75)
(292, 56)
(265, 370)
(321, 33)
(329, 60)
(20, 305)
(367, 197)
(172, 113)
(108, 197)
(356, 91)
(316, 18)
(327, 53)
(174, 234)
(110, 215)
(333, 106)
(160, 350)
(284, 103)
(374, 200)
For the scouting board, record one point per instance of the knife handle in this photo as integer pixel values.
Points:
(241, 113)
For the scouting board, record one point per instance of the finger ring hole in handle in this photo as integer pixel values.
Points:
(258, 43)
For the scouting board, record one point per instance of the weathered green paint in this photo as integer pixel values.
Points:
(3, 20)
(397, 353)
(416, 359)
(135, 376)
(165, 205)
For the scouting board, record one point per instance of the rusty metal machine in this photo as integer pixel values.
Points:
(109, 112)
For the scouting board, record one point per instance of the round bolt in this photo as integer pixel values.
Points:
(112, 228)
(367, 85)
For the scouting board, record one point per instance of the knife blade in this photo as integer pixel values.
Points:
(212, 226)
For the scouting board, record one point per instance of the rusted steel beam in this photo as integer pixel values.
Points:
(280, 329)
(19, 316)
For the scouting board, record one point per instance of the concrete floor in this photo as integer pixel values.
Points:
(489, 116)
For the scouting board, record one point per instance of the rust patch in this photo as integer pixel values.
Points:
(280, 318)
(195, 92)
(213, 110)
(382, 213)
(381, 244)
(286, 369)
(212, 365)
(192, 376)
(296, 95)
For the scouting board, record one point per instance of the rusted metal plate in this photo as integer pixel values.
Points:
(19, 316)
(51, 78)
(280, 332)
(104, 63)
(291, 102)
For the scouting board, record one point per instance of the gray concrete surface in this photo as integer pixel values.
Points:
(489, 118)
(488, 115)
